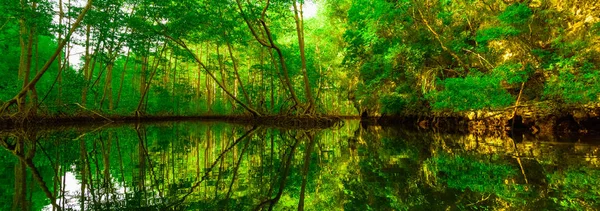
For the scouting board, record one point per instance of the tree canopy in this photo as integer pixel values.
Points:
(263, 57)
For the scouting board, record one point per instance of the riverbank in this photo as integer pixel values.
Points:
(538, 118)
(533, 119)
(303, 121)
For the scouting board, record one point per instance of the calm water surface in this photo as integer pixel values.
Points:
(216, 166)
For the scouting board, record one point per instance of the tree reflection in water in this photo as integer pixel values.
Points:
(210, 166)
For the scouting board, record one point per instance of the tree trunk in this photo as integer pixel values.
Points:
(182, 44)
(305, 170)
(300, 30)
(173, 90)
(122, 80)
(262, 80)
(86, 66)
(198, 82)
(59, 59)
(141, 107)
(224, 76)
(19, 199)
(108, 86)
(143, 73)
(34, 94)
(23, 71)
(83, 173)
(30, 39)
(272, 93)
(276, 67)
(271, 45)
(209, 91)
(106, 161)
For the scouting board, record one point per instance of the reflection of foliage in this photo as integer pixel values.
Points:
(7, 163)
(575, 188)
(468, 173)
(386, 177)
(351, 168)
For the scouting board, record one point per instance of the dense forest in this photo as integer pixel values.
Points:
(295, 57)
(504, 95)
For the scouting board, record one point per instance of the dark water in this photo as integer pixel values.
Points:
(214, 166)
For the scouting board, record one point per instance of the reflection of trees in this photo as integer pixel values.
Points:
(284, 174)
(160, 167)
(220, 167)
(406, 169)
(24, 149)
(210, 169)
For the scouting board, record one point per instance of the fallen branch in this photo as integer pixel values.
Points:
(95, 130)
(77, 104)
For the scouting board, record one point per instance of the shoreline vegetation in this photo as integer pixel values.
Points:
(294, 122)
(534, 119)
(538, 119)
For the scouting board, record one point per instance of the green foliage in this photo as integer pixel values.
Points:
(577, 188)
(364, 55)
(574, 85)
(496, 33)
(468, 173)
(512, 73)
(403, 100)
(517, 13)
(547, 57)
(470, 93)
(596, 28)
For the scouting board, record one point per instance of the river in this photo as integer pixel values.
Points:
(220, 166)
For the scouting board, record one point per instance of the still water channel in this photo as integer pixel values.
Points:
(218, 166)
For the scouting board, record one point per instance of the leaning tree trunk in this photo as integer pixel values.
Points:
(146, 87)
(211, 75)
(269, 43)
(237, 75)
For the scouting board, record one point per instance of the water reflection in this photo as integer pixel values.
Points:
(210, 166)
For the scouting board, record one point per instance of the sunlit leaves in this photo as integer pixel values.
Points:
(512, 73)
(574, 87)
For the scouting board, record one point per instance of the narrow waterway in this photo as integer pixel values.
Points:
(218, 166)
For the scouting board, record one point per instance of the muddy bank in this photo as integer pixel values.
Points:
(544, 120)
(297, 122)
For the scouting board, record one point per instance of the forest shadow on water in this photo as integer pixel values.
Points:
(219, 166)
